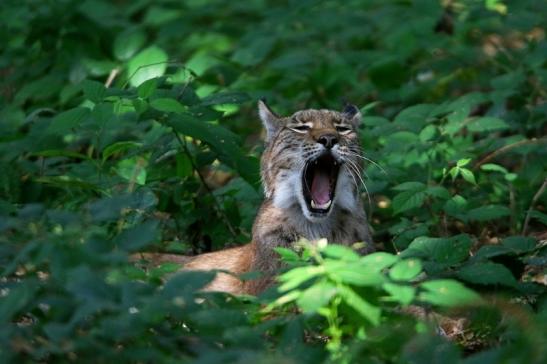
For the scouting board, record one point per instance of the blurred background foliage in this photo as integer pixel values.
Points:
(130, 125)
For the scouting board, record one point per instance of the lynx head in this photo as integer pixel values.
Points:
(312, 160)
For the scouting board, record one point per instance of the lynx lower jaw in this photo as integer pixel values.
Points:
(324, 206)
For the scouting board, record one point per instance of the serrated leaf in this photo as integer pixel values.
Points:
(519, 244)
(147, 88)
(168, 105)
(315, 297)
(399, 293)
(449, 293)
(287, 254)
(149, 63)
(340, 252)
(296, 276)
(489, 212)
(463, 162)
(405, 270)
(378, 261)
(410, 186)
(364, 308)
(468, 175)
(446, 251)
(67, 120)
(487, 123)
(353, 274)
(93, 90)
(408, 200)
(487, 273)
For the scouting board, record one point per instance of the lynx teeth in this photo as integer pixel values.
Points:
(324, 206)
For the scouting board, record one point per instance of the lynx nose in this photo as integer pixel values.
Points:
(328, 140)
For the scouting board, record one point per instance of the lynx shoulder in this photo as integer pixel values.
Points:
(310, 172)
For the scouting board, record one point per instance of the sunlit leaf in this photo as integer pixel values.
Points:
(446, 292)
(147, 64)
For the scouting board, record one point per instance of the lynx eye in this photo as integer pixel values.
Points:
(343, 130)
(301, 128)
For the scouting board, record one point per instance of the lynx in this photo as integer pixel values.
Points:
(310, 171)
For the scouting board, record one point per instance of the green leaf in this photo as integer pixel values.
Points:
(405, 270)
(138, 236)
(16, 299)
(60, 153)
(378, 261)
(296, 276)
(287, 255)
(388, 73)
(353, 274)
(168, 105)
(133, 170)
(519, 244)
(184, 165)
(368, 311)
(540, 216)
(468, 175)
(93, 90)
(222, 141)
(399, 293)
(447, 251)
(410, 186)
(67, 120)
(317, 296)
(463, 162)
(225, 98)
(448, 293)
(494, 167)
(487, 123)
(408, 200)
(414, 117)
(340, 252)
(118, 147)
(489, 212)
(127, 43)
(487, 273)
(149, 63)
(147, 88)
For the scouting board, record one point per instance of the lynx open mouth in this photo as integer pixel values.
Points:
(319, 183)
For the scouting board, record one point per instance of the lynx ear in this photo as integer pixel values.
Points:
(352, 113)
(269, 119)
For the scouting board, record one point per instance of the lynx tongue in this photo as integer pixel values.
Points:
(320, 190)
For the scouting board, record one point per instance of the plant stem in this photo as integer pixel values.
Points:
(534, 200)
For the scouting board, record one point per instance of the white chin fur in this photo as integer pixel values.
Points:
(287, 191)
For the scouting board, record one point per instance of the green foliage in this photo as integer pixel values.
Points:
(130, 126)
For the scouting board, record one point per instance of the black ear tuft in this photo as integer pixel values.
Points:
(352, 113)
(350, 110)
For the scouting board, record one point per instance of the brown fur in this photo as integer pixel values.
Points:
(283, 218)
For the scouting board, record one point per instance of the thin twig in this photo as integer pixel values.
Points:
(507, 148)
(534, 200)
(202, 179)
(111, 77)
